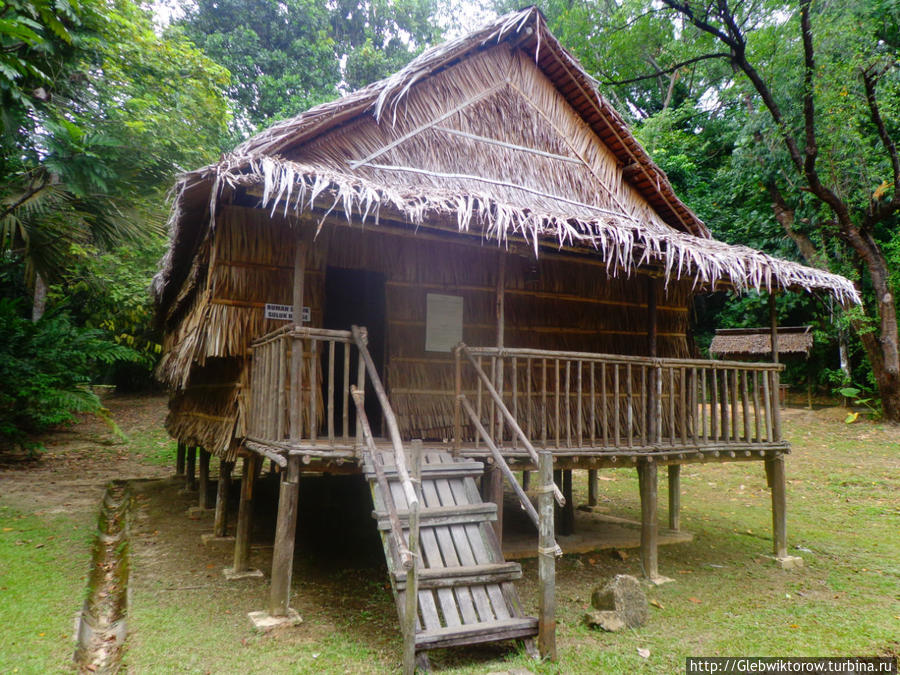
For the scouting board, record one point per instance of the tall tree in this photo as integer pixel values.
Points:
(99, 112)
(286, 55)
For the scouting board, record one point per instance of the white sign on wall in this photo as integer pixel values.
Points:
(443, 322)
(284, 312)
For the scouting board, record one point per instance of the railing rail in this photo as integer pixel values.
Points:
(563, 400)
(408, 551)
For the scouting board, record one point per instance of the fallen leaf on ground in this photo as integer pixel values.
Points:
(696, 601)
(657, 603)
(643, 653)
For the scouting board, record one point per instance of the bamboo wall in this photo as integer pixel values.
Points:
(567, 305)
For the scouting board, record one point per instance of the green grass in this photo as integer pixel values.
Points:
(728, 597)
(43, 569)
(153, 446)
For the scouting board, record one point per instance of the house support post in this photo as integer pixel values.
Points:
(546, 560)
(220, 521)
(775, 475)
(593, 487)
(203, 492)
(190, 478)
(567, 524)
(283, 555)
(493, 481)
(179, 460)
(674, 471)
(241, 566)
(647, 479)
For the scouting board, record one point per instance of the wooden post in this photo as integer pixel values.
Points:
(647, 476)
(494, 484)
(593, 487)
(285, 530)
(674, 472)
(546, 561)
(295, 416)
(775, 473)
(245, 516)
(203, 494)
(773, 324)
(220, 522)
(651, 420)
(179, 460)
(567, 524)
(411, 610)
(190, 478)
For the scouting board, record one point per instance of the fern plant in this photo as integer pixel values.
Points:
(46, 369)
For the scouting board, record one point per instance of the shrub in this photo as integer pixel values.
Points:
(46, 369)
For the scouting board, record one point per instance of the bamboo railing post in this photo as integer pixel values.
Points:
(684, 399)
(767, 401)
(579, 422)
(568, 404)
(776, 408)
(313, 387)
(703, 410)
(616, 416)
(713, 405)
(593, 406)
(745, 404)
(345, 388)
(361, 384)
(723, 408)
(546, 561)
(651, 422)
(605, 409)
(757, 411)
(282, 388)
(478, 400)
(412, 574)
(556, 402)
(515, 397)
(457, 403)
(629, 405)
(285, 529)
(544, 403)
(296, 407)
(330, 403)
(735, 432)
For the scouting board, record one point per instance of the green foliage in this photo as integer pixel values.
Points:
(46, 368)
(285, 56)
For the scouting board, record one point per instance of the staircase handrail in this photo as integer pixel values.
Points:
(511, 422)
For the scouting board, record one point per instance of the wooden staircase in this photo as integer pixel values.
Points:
(466, 593)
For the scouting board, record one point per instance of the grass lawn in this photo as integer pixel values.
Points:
(727, 598)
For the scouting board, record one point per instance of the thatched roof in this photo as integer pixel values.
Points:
(757, 342)
(500, 132)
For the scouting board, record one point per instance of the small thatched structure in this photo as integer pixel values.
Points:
(755, 344)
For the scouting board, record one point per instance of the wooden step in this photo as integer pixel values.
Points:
(448, 577)
(442, 515)
(506, 629)
(436, 471)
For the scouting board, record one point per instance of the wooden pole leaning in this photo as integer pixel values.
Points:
(411, 609)
(285, 531)
(547, 551)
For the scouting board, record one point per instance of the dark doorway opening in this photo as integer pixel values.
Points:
(356, 298)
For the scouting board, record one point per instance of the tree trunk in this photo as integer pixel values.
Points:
(39, 303)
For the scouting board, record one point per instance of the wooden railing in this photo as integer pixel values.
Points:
(564, 400)
(294, 391)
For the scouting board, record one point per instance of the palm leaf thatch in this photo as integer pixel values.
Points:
(756, 343)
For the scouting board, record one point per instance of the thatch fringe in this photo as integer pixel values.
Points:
(623, 243)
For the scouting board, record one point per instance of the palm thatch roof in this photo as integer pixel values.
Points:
(756, 343)
(499, 133)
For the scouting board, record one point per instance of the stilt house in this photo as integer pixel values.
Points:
(470, 265)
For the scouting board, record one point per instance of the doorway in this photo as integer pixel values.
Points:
(356, 297)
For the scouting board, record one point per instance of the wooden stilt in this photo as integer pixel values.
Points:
(546, 561)
(674, 471)
(220, 523)
(567, 526)
(647, 476)
(203, 492)
(285, 530)
(245, 516)
(179, 460)
(593, 487)
(526, 480)
(494, 478)
(190, 478)
(776, 475)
